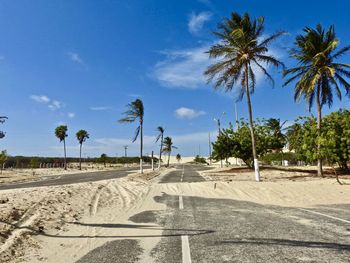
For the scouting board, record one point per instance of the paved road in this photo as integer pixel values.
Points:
(71, 179)
(222, 230)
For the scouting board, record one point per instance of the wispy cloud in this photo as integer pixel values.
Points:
(71, 115)
(99, 108)
(196, 21)
(75, 57)
(55, 105)
(51, 104)
(40, 98)
(187, 113)
(183, 68)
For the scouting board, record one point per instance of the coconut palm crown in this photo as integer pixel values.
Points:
(239, 54)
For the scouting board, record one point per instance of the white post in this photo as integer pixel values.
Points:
(256, 168)
(152, 162)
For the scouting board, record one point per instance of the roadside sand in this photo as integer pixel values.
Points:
(19, 175)
(73, 220)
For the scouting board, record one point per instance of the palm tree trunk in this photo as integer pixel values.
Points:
(65, 154)
(256, 162)
(319, 120)
(160, 152)
(80, 157)
(169, 158)
(141, 146)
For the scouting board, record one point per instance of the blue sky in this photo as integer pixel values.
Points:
(80, 62)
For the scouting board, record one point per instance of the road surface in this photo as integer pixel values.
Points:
(222, 230)
(71, 178)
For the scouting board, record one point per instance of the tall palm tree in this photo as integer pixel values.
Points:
(61, 134)
(318, 74)
(239, 53)
(160, 137)
(81, 135)
(136, 111)
(168, 146)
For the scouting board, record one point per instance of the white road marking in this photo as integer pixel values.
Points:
(318, 213)
(185, 245)
(181, 203)
(186, 253)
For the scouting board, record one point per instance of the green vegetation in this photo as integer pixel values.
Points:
(318, 75)
(199, 159)
(103, 159)
(82, 136)
(61, 134)
(3, 158)
(240, 52)
(238, 144)
(136, 112)
(334, 139)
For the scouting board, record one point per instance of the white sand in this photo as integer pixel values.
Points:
(114, 201)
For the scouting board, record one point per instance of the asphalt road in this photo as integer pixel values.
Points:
(223, 230)
(71, 179)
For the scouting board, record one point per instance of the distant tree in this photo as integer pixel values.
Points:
(278, 138)
(168, 146)
(199, 159)
(136, 112)
(238, 144)
(82, 136)
(3, 158)
(61, 134)
(103, 159)
(178, 158)
(318, 75)
(161, 138)
(242, 51)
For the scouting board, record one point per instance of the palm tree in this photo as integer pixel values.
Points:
(2, 120)
(160, 137)
(81, 135)
(318, 73)
(168, 146)
(178, 157)
(136, 111)
(239, 53)
(61, 134)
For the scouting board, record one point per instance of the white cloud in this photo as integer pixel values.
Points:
(100, 108)
(71, 115)
(196, 21)
(75, 57)
(40, 98)
(183, 68)
(55, 105)
(186, 113)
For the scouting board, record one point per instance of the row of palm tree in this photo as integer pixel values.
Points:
(242, 50)
(135, 112)
(61, 133)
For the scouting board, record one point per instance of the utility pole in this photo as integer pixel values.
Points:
(209, 150)
(219, 128)
(236, 113)
(126, 150)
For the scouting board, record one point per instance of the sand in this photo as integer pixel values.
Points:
(68, 219)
